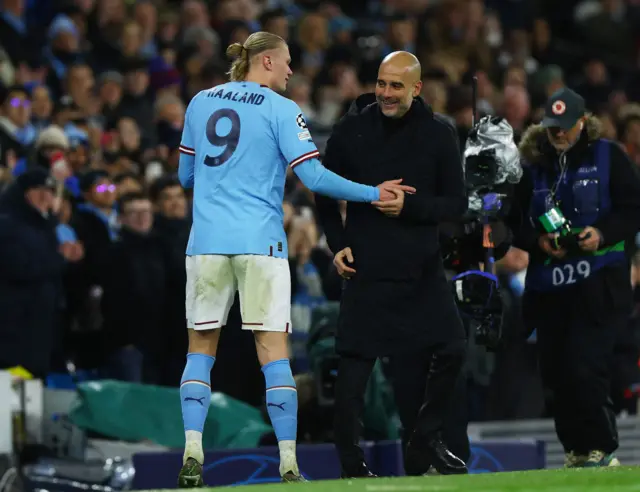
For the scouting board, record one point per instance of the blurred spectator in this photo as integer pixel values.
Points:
(401, 34)
(596, 87)
(127, 183)
(31, 282)
(41, 108)
(172, 226)
(516, 108)
(517, 51)
(96, 224)
(131, 41)
(130, 139)
(79, 151)
(15, 113)
(96, 215)
(51, 139)
(307, 289)
(134, 290)
(14, 36)
(608, 31)
(169, 118)
(65, 233)
(434, 90)
(630, 136)
(195, 13)
(136, 102)
(63, 51)
(299, 90)
(313, 38)
(276, 22)
(110, 96)
(460, 108)
(609, 130)
(146, 17)
(550, 80)
(201, 40)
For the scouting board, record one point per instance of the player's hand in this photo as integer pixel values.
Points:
(546, 243)
(71, 252)
(340, 261)
(77, 251)
(589, 239)
(391, 208)
(388, 188)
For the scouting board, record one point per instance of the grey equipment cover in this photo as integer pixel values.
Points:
(491, 158)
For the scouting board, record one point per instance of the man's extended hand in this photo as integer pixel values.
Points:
(389, 189)
(339, 261)
(546, 243)
(591, 243)
(71, 251)
(391, 208)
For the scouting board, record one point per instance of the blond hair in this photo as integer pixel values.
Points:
(241, 54)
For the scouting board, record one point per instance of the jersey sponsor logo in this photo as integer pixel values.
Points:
(300, 121)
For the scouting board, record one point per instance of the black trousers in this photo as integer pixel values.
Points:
(575, 347)
(424, 383)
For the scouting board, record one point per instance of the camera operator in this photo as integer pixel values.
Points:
(579, 210)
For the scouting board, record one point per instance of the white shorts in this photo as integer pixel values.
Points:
(264, 284)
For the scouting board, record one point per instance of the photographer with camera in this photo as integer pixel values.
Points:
(578, 212)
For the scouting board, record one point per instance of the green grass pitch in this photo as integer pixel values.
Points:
(619, 479)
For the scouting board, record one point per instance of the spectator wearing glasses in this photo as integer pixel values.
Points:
(96, 224)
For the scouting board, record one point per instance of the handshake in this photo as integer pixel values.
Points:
(392, 197)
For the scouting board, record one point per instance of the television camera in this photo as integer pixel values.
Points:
(491, 161)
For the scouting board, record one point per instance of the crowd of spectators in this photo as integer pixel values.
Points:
(94, 93)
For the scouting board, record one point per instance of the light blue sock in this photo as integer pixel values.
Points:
(195, 391)
(282, 399)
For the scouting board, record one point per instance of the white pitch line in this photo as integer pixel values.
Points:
(409, 488)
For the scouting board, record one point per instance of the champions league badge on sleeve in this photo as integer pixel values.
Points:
(301, 122)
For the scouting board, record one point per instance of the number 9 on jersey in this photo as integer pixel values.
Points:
(229, 140)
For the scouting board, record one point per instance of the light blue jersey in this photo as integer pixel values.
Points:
(238, 140)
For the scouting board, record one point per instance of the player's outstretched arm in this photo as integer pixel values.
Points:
(298, 149)
(319, 179)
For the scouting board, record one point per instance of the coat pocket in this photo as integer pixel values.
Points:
(586, 196)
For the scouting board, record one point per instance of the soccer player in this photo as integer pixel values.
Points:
(237, 142)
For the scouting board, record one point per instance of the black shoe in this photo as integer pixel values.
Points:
(360, 471)
(418, 459)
